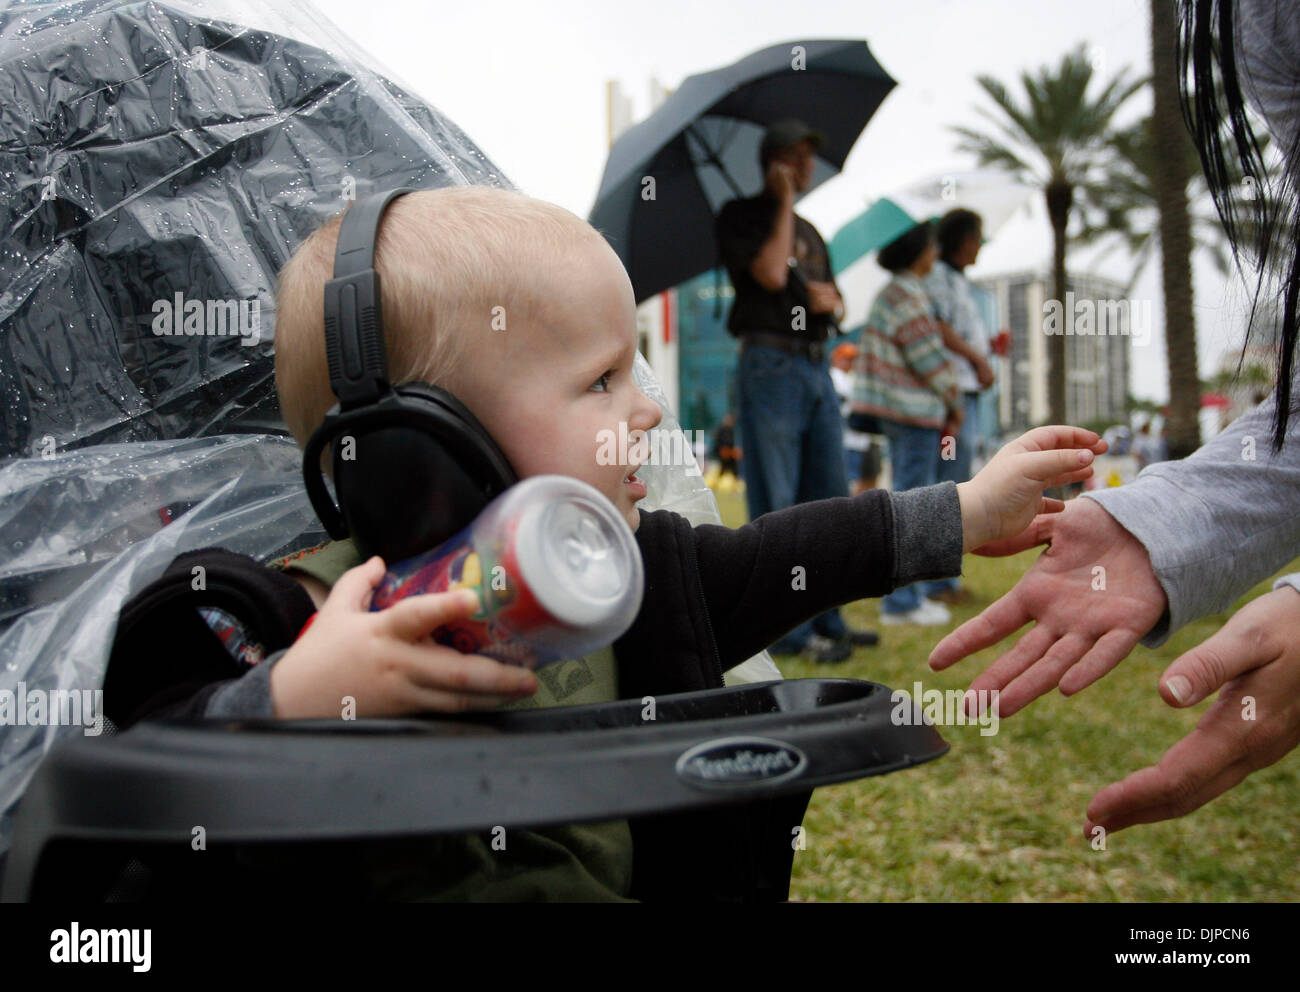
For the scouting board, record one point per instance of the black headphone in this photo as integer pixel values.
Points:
(412, 465)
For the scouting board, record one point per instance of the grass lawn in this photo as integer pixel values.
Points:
(1000, 818)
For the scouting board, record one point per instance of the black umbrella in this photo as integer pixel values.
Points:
(667, 177)
(148, 155)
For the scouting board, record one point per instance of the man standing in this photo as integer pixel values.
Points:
(960, 234)
(785, 311)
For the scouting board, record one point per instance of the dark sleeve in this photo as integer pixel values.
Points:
(246, 697)
(167, 662)
(763, 579)
(741, 234)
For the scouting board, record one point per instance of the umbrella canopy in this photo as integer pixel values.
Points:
(164, 153)
(992, 194)
(667, 177)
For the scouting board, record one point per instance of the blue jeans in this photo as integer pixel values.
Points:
(914, 461)
(958, 469)
(790, 428)
(852, 463)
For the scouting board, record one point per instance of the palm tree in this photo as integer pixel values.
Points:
(1127, 210)
(1169, 141)
(1124, 207)
(1055, 137)
(1146, 199)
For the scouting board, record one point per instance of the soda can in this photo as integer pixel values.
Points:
(555, 567)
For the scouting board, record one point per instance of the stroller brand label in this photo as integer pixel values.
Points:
(739, 761)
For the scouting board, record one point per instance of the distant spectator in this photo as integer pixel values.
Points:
(904, 378)
(857, 444)
(966, 339)
(1148, 448)
(785, 313)
(724, 446)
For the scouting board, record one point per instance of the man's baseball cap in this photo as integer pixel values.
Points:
(783, 134)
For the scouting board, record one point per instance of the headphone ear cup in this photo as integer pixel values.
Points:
(402, 492)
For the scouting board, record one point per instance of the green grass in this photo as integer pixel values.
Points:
(1000, 818)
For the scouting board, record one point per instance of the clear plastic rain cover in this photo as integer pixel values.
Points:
(155, 153)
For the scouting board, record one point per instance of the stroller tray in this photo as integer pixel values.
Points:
(269, 781)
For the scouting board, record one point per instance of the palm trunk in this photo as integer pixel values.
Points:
(1060, 195)
(1169, 137)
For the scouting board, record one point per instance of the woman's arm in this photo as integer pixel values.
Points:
(1218, 521)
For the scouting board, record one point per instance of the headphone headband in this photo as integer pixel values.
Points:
(354, 342)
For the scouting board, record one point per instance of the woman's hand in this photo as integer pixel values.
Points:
(1092, 595)
(1254, 660)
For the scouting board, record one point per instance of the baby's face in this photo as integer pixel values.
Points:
(553, 387)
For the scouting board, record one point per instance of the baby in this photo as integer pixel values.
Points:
(523, 312)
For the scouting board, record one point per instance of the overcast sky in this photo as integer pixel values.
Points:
(526, 80)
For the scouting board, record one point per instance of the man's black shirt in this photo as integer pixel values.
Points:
(742, 228)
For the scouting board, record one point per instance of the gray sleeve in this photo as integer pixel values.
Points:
(247, 696)
(927, 533)
(1218, 521)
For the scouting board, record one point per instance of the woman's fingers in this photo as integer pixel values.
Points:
(1003, 618)
(1020, 659)
(1111, 648)
(1043, 675)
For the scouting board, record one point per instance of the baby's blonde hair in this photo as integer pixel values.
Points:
(446, 258)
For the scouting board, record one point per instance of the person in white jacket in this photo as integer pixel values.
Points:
(1186, 538)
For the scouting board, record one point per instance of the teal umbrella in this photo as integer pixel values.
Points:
(875, 227)
(991, 193)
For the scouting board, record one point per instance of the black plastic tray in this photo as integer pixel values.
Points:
(275, 781)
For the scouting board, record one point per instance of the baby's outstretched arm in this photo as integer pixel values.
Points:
(761, 580)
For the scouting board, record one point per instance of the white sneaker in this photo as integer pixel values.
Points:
(927, 614)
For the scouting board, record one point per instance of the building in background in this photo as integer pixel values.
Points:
(1097, 377)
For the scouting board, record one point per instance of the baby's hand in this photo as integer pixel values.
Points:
(378, 660)
(1007, 494)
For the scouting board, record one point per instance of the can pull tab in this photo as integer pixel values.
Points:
(584, 542)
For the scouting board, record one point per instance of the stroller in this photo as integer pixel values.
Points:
(125, 449)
